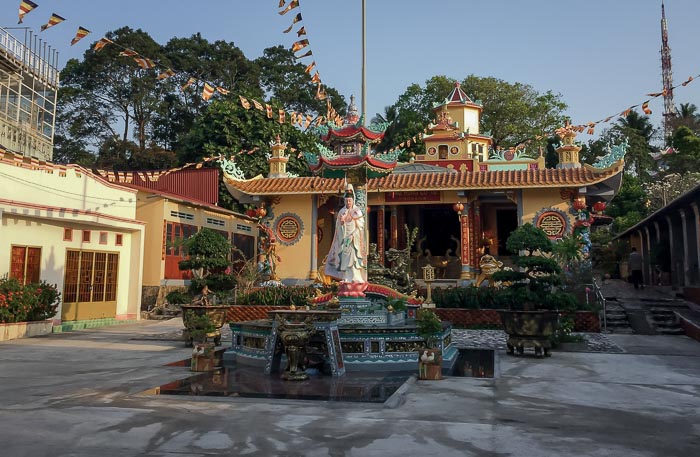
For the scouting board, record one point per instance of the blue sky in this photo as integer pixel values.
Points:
(600, 55)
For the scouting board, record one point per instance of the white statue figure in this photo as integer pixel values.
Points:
(346, 258)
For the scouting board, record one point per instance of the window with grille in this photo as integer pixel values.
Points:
(25, 264)
(181, 215)
(213, 221)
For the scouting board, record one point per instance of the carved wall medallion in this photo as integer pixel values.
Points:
(288, 228)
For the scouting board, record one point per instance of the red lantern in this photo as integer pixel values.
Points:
(458, 207)
(599, 207)
(261, 212)
(250, 213)
(579, 204)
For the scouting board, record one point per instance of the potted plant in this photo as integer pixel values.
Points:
(203, 352)
(530, 292)
(429, 327)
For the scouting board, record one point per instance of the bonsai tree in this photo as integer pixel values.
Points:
(534, 281)
(208, 258)
(198, 326)
(428, 326)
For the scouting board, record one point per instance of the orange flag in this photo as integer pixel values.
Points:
(293, 4)
(297, 18)
(316, 78)
(687, 81)
(268, 108)
(82, 33)
(222, 91)
(166, 74)
(244, 102)
(128, 53)
(257, 105)
(25, 6)
(144, 62)
(301, 31)
(310, 67)
(299, 45)
(102, 43)
(281, 114)
(207, 92)
(189, 83)
(306, 54)
(645, 108)
(53, 20)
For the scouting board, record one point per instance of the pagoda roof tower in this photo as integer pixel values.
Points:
(348, 149)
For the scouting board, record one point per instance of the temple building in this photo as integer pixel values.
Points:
(464, 198)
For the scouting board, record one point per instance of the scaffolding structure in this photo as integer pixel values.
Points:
(28, 90)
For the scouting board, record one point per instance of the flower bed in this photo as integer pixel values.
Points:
(24, 309)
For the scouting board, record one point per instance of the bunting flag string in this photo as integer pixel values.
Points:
(82, 33)
(25, 6)
(53, 20)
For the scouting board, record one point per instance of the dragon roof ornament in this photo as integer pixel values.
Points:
(229, 167)
(614, 154)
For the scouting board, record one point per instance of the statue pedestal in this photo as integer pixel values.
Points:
(352, 289)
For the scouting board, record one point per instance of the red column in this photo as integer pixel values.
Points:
(394, 227)
(380, 233)
(466, 249)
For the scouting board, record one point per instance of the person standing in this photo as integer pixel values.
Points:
(635, 265)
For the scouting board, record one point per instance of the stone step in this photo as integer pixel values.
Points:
(670, 331)
(621, 330)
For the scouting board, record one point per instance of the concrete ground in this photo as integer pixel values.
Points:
(82, 394)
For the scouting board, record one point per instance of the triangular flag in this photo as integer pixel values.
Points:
(258, 105)
(299, 45)
(293, 4)
(166, 74)
(144, 63)
(82, 33)
(222, 91)
(207, 92)
(281, 116)
(645, 108)
(244, 102)
(53, 20)
(189, 83)
(301, 31)
(320, 94)
(25, 6)
(268, 108)
(307, 122)
(297, 18)
(306, 54)
(281, 3)
(316, 78)
(128, 53)
(310, 67)
(102, 43)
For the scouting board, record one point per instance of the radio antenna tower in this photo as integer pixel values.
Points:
(667, 74)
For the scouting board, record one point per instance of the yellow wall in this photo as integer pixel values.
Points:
(468, 118)
(155, 211)
(37, 206)
(296, 259)
(151, 211)
(534, 200)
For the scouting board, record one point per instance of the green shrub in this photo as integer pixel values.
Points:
(33, 302)
(178, 297)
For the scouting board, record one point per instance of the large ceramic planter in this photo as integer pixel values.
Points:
(429, 364)
(25, 329)
(217, 314)
(530, 329)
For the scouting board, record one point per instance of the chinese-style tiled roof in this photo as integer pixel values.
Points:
(352, 132)
(458, 97)
(347, 162)
(491, 180)
(300, 185)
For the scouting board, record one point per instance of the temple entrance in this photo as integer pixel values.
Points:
(438, 241)
(506, 223)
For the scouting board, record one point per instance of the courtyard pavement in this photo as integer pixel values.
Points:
(85, 394)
